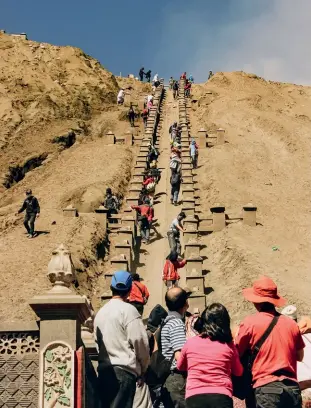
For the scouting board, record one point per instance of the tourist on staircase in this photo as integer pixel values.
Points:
(173, 127)
(210, 75)
(175, 181)
(175, 90)
(120, 97)
(141, 74)
(123, 356)
(131, 116)
(145, 216)
(184, 76)
(209, 360)
(173, 338)
(32, 207)
(187, 89)
(112, 204)
(171, 83)
(191, 79)
(144, 116)
(194, 153)
(170, 274)
(139, 294)
(276, 345)
(173, 234)
(148, 75)
(175, 159)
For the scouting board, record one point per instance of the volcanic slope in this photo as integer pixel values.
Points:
(46, 91)
(266, 161)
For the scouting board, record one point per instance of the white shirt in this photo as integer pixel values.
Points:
(304, 367)
(121, 94)
(156, 78)
(149, 98)
(123, 335)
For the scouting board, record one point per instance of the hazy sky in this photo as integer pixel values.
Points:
(267, 37)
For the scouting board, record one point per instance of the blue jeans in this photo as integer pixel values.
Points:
(175, 193)
(29, 222)
(144, 228)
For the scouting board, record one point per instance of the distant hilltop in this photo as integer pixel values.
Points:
(21, 35)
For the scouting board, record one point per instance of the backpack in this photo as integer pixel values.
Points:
(174, 162)
(159, 368)
(151, 186)
(175, 179)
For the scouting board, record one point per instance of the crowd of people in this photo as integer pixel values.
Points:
(192, 359)
(174, 85)
(197, 360)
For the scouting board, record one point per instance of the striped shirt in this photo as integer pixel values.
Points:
(173, 336)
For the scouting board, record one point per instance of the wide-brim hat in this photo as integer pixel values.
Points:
(264, 290)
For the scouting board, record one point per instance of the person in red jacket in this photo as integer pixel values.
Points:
(139, 294)
(145, 215)
(172, 264)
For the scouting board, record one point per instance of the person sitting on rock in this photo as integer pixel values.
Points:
(112, 204)
(32, 207)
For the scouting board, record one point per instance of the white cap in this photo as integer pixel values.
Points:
(290, 311)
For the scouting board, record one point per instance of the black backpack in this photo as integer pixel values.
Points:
(159, 367)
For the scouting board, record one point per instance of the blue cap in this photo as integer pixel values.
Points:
(121, 281)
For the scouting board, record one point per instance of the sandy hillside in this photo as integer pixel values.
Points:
(266, 161)
(45, 92)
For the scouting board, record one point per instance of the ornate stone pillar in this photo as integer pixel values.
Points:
(61, 314)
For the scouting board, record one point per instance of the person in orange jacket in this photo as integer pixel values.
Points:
(139, 294)
(170, 271)
(145, 215)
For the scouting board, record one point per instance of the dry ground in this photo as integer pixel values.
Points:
(46, 91)
(266, 161)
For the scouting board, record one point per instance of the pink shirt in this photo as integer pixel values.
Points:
(209, 365)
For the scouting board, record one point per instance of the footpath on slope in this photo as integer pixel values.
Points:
(152, 261)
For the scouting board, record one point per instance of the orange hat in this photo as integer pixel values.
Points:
(264, 290)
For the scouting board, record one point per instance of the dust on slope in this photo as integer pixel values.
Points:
(266, 161)
(56, 184)
(44, 91)
(83, 96)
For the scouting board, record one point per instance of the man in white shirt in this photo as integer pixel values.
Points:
(156, 78)
(120, 97)
(123, 346)
(173, 234)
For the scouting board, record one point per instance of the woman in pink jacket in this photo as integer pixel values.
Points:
(210, 359)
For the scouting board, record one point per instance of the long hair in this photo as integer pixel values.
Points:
(214, 323)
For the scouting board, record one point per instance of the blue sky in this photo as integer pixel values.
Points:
(267, 37)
